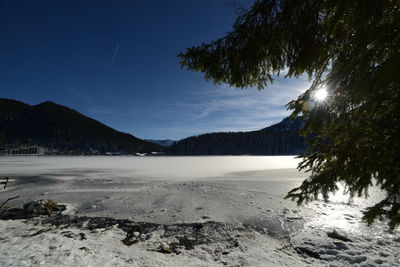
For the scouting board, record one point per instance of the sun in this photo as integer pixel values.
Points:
(321, 94)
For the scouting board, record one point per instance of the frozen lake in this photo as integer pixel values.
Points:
(238, 190)
(149, 167)
(188, 188)
(242, 189)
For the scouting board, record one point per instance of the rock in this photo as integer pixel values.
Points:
(162, 210)
(41, 231)
(82, 236)
(172, 227)
(98, 230)
(143, 237)
(308, 252)
(292, 218)
(129, 241)
(136, 234)
(87, 250)
(84, 224)
(42, 207)
(204, 217)
(68, 234)
(165, 247)
(334, 234)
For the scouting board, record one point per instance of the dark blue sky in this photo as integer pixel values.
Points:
(115, 61)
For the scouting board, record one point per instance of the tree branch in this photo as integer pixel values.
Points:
(5, 202)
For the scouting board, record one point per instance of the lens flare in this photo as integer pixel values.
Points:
(321, 94)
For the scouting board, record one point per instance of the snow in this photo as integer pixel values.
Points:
(243, 193)
(20, 245)
(148, 167)
(362, 249)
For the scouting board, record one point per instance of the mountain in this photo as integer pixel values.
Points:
(59, 127)
(282, 138)
(163, 143)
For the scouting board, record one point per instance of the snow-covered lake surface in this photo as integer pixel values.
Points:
(171, 168)
(236, 190)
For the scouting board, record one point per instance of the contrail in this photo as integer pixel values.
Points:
(114, 55)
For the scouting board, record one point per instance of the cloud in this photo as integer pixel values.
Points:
(114, 55)
(199, 107)
(223, 108)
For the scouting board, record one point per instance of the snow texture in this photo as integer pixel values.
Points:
(242, 196)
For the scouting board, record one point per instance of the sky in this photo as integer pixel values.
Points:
(116, 62)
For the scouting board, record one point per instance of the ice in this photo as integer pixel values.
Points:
(149, 167)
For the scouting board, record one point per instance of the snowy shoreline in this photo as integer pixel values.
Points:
(240, 196)
(68, 240)
(36, 242)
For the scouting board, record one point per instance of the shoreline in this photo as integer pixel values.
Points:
(89, 241)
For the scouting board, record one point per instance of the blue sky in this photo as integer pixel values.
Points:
(115, 61)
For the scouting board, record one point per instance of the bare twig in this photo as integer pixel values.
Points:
(5, 202)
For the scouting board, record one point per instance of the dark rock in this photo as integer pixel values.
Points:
(82, 236)
(335, 235)
(309, 252)
(129, 241)
(69, 234)
(87, 250)
(41, 231)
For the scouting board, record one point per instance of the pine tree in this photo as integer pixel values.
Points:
(350, 49)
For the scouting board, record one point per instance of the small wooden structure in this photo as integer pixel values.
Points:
(5, 181)
(28, 151)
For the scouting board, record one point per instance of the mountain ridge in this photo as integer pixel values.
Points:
(162, 142)
(282, 138)
(66, 130)
(57, 126)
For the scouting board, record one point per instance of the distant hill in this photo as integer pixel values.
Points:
(55, 126)
(279, 139)
(163, 143)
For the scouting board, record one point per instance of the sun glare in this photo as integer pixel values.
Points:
(321, 94)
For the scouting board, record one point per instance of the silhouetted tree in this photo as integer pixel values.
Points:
(350, 48)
